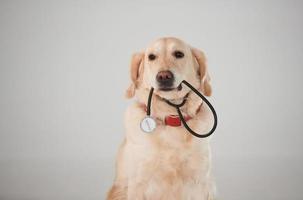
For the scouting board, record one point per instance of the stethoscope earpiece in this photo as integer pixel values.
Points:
(148, 124)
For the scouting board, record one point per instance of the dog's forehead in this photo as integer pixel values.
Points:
(166, 44)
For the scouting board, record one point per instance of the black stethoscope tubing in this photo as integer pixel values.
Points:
(178, 106)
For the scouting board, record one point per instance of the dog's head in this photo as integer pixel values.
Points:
(164, 65)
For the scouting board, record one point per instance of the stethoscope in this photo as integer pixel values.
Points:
(148, 124)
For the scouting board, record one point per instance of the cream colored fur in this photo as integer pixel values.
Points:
(168, 164)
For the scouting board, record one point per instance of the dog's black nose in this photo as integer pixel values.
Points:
(165, 79)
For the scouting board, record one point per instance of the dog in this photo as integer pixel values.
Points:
(169, 163)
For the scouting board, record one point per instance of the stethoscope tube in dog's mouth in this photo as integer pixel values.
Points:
(148, 124)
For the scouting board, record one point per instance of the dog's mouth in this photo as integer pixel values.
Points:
(167, 89)
(174, 94)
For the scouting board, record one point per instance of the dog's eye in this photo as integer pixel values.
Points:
(178, 54)
(151, 56)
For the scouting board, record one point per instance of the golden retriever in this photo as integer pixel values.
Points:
(169, 163)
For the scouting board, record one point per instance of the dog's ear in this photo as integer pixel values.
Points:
(135, 68)
(203, 71)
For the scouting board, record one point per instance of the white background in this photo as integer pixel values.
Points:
(64, 70)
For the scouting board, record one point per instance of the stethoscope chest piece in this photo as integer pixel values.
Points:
(148, 124)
